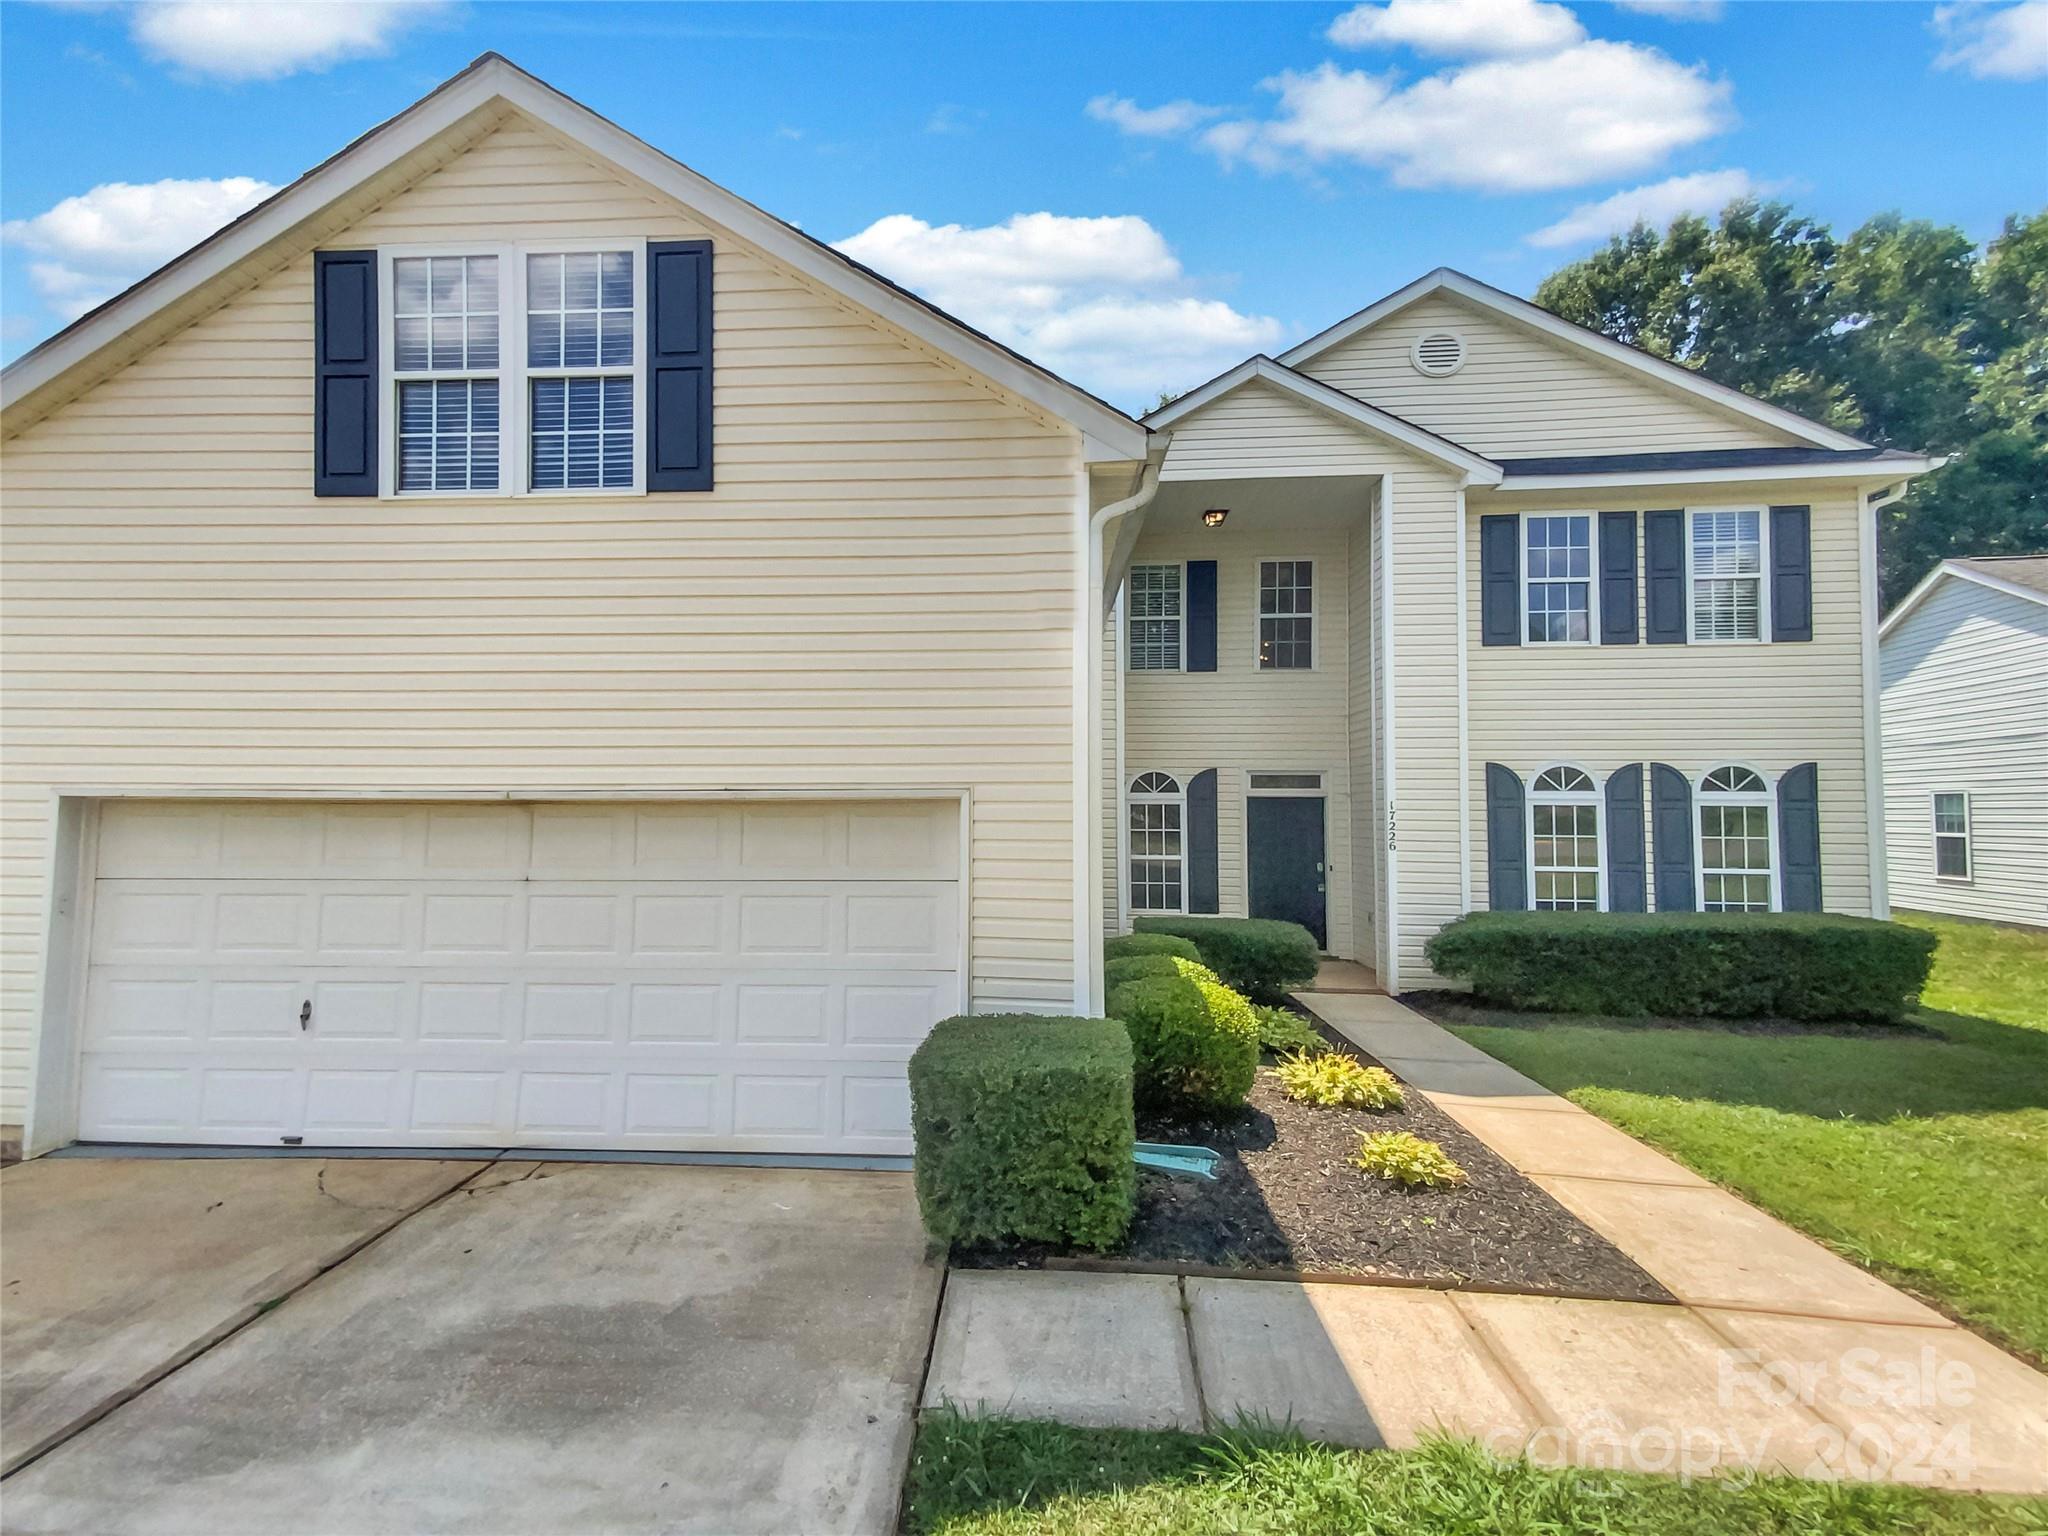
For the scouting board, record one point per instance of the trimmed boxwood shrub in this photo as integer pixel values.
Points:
(1195, 1045)
(1784, 965)
(1257, 956)
(1126, 946)
(1117, 972)
(1024, 1129)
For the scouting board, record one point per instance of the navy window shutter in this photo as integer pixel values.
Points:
(1507, 853)
(1202, 883)
(1664, 576)
(1626, 884)
(1799, 837)
(1500, 579)
(1200, 654)
(345, 373)
(1618, 578)
(1791, 573)
(679, 365)
(1671, 826)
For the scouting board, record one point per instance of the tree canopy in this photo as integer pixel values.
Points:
(1904, 334)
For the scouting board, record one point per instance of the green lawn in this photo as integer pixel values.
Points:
(996, 1477)
(1922, 1154)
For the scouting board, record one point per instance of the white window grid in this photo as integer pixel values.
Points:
(1156, 623)
(1567, 842)
(1727, 552)
(1156, 819)
(1952, 850)
(1287, 615)
(447, 371)
(1557, 578)
(1738, 837)
(512, 374)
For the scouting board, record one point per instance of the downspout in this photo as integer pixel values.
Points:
(1873, 704)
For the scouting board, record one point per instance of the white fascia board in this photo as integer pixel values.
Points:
(1933, 578)
(1522, 312)
(1334, 402)
(1895, 468)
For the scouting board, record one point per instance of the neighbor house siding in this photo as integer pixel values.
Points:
(1523, 394)
(1965, 709)
(1770, 704)
(879, 594)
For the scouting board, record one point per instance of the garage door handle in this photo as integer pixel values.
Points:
(306, 1014)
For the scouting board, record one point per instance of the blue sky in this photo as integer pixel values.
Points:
(1138, 195)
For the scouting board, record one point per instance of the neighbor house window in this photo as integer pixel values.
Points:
(446, 362)
(1735, 841)
(1287, 615)
(1728, 574)
(1559, 584)
(1157, 808)
(1952, 836)
(1155, 618)
(1564, 841)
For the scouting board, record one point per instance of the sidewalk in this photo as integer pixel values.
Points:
(1782, 1356)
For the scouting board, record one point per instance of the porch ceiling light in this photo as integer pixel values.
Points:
(1213, 518)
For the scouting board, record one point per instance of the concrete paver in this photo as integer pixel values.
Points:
(115, 1270)
(1577, 1144)
(593, 1347)
(1101, 1351)
(1356, 1365)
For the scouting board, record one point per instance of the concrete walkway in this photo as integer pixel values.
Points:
(1782, 1356)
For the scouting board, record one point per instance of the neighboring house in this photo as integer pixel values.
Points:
(1965, 706)
(510, 644)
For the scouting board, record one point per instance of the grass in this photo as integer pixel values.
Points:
(999, 1477)
(1922, 1154)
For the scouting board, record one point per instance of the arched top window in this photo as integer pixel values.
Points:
(1733, 779)
(1155, 784)
(1563, 780)
(1153, 833)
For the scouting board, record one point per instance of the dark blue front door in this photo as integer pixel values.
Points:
(1284, 840)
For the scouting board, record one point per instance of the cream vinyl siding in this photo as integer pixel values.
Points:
(1238, 719)
(1523, 394)
(1770, 704)
(879, 595)
(1965, 710)
(1259, 430)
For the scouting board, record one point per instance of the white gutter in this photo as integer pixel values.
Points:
(1623, 479)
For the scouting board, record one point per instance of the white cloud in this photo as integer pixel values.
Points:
(1103, 301)
(269, 39)
(1460, 28)
(99, 242)
(1165, 121)
(1594, 111)
(1994, 42)
(1705, 192)
(1676, 10)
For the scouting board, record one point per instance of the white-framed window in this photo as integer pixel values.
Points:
(1951, 835)
(1557, 578)
(1738, 841)
(1156, 622)
(1565, 842)
(1157, 845)
(1727, 553)
(1287, 615)
(1284, 783)
(514, 369)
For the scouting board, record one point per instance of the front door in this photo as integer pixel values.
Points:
(1284, 836)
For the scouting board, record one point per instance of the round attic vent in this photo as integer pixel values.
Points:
(1439, 353)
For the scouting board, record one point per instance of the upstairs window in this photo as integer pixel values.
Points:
(1559, 585)
(579, 360)
(446, 363)
(1564, 841)
(1157, 811)
(1156, 618)
(1736, 840)
(1952, 836)
(1727, 560)
(1287, 615)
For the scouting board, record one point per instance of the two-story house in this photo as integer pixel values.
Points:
(510, 644)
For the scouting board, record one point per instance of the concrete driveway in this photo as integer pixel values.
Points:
(573, 1347)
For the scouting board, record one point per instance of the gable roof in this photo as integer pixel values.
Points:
(1332, 401)
(1521, 312)
(471, 102)
(2023, 576)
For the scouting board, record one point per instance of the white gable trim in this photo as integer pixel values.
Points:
(1531, 317)
(1107, 432)
(1914, 598)
(1333, 402)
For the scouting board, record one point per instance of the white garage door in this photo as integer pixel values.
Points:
(742, 976)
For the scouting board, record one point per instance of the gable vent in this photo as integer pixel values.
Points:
(1439, 353)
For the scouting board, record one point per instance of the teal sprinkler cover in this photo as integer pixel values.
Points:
(1181, 1162)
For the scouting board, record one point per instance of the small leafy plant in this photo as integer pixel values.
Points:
(1335, 1081)
(1401, 1157)
(1286, 1033)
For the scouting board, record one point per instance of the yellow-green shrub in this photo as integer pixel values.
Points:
(1336, 1081)
(1405, 1158)
(1135, 967)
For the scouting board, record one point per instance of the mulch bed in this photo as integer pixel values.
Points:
(1287, 1201)
(1462, 1008)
